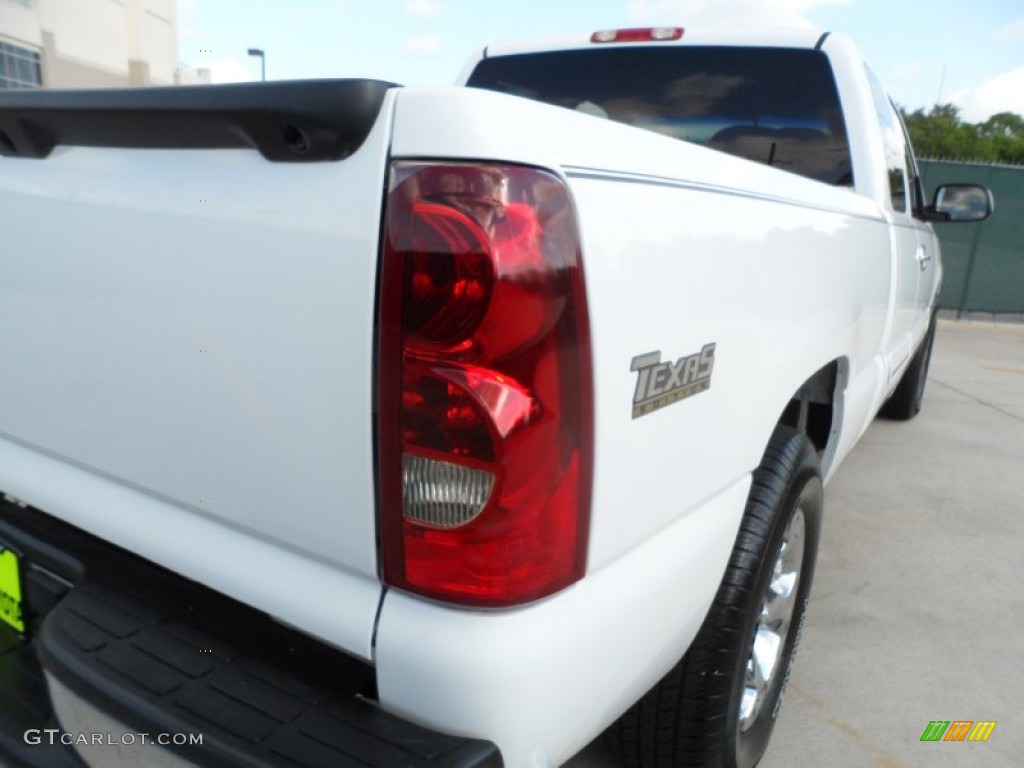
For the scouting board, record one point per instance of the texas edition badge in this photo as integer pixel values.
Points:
(659, 384)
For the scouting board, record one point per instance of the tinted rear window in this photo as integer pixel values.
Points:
(775, 106)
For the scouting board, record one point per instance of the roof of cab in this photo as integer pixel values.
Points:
(761, 37)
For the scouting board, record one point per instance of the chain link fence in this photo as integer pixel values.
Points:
(984, 263)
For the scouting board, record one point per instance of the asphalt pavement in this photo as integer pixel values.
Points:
(917, 608)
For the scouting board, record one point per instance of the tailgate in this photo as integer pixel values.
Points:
(187, 288)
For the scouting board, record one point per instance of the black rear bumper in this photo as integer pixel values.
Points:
(174, 660)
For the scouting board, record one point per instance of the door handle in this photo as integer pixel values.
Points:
(923, 257)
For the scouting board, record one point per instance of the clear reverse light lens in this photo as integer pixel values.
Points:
(666, 33)
(441, 494)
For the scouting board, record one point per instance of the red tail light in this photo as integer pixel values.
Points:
(484, 383)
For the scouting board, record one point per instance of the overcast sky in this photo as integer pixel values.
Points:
(970, 53)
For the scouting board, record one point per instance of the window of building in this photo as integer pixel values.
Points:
(19, 67)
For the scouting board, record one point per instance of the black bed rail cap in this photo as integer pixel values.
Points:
(287, 121)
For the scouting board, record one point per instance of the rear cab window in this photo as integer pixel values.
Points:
(776, 106)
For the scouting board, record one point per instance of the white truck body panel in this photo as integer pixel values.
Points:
(253, 314)
(914, 284)
(778, 256)
(567, 665)
(827, 246)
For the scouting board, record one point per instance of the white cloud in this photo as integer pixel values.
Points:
(772, 13)
(188, 10)
(424, 8)
(1012, 32)
(188, 21)
(1002, 93)
(427, 45)
(908, 70)
(320, 12)
(232, 69)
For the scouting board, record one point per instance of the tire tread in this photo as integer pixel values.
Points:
(682, 720)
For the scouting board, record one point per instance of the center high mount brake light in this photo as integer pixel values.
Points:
(638, 35)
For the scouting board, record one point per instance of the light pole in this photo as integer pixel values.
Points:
(263, 61)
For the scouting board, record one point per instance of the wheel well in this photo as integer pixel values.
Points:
(812, 408)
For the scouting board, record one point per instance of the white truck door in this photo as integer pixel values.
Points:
(907, 245)
(927, 252)
(906, 241)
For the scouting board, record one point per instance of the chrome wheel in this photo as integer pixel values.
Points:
(724, 678)
(774, 622)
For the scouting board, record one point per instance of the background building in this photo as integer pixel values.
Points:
(90, 44)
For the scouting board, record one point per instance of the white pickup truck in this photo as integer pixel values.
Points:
(350, 424)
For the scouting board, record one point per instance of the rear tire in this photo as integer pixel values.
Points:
(905, 401)
(714, 709)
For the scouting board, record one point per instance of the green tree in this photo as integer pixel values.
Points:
(1006, 133)
(941, 132)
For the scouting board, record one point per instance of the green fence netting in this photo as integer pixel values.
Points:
(984, 263)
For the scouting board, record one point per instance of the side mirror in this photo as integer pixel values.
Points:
(960, 203)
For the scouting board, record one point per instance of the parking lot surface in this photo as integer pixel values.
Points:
(917, 610)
